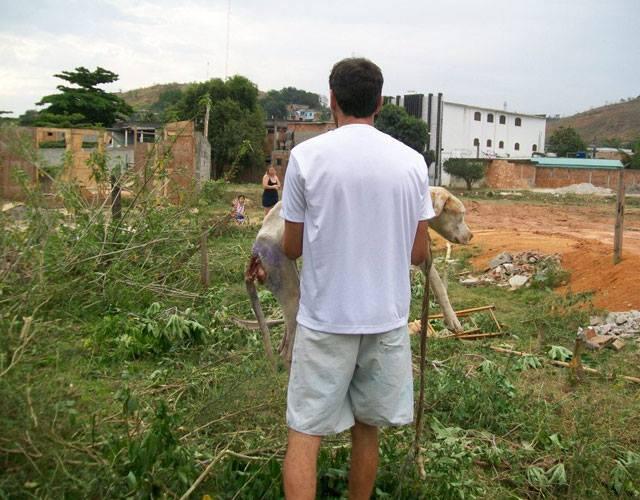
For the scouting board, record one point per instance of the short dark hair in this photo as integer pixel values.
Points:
(357, 84)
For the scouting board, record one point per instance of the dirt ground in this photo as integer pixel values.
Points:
(581, 234)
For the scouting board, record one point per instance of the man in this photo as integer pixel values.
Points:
(355, 205)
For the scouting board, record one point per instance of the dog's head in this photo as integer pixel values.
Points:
(449, 220)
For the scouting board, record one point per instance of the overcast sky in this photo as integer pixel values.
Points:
(538, 56)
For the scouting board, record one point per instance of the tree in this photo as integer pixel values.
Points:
(235, 120)
(28, 118)
(633, 160)
(274, 103)
(468, 170)
(6, 118)
(85, 104)
(565, 140)
(395, 121)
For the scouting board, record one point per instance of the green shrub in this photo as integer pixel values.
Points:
(212, 191)
(155, 331)
(149, 463)
(467, 169)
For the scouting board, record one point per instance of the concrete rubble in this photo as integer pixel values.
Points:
(612, 330)
(514, 270)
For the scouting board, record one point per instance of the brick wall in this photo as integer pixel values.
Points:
(632, 181)
(13, 142)
(505, 174)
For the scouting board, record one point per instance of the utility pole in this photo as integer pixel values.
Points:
(226, 60)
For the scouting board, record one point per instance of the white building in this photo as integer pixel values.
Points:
(466, 131)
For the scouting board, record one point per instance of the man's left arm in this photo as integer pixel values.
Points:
(420, 248)
(421, 244)
(292, 239)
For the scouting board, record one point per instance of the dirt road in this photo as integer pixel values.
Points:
(581, 234)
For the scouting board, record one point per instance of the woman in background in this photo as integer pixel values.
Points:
(271, 184)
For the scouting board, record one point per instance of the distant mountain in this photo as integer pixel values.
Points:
(603, 125)
(150, 98)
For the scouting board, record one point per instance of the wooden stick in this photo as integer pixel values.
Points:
(619, 227)
(562, 364)
(495, 319)
(204, 260)
(204, 474)
(465, 312)
(472, 336)
(424, 324)
(254, 325)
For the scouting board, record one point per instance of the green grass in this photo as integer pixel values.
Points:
(86, 414)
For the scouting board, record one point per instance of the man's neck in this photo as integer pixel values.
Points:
(352, 120)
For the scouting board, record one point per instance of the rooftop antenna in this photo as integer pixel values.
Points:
(226, 62)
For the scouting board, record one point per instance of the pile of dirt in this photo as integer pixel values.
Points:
(585, 188)
(581, 234)
(515, 270)
(615, 287)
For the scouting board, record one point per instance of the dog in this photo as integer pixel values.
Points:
(270, 266)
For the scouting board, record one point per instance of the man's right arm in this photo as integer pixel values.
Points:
(293, 210)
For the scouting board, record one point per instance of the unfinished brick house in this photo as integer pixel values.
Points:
(172, 161)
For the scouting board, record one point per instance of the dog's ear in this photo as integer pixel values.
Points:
(439, 198)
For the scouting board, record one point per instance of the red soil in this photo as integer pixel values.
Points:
(582, 235)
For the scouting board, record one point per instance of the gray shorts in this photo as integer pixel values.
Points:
(339, 378)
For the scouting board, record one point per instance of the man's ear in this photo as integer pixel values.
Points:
(379, 105)
(333, 103)
(439, 199)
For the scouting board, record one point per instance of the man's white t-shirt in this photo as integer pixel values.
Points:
(360, 194)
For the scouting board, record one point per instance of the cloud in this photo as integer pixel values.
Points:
(537, 55)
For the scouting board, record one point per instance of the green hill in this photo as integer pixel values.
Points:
(604, 125)
(154, 98)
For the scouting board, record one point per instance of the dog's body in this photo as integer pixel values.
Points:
(269, 265)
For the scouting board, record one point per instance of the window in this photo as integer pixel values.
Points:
(501, 144)
(488, 143)
(476, 142)
(516, 146)
(490, 117)
(503, 119)
(534, 148)
(518, 122)
(477, 116)
(278, 161)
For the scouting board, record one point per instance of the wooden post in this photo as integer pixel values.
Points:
(204, 258)
(204, 243)
(116, 202)
(206, 118)
(619, 227)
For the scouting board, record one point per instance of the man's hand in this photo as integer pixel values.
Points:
(292, 239)
(421, 245)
